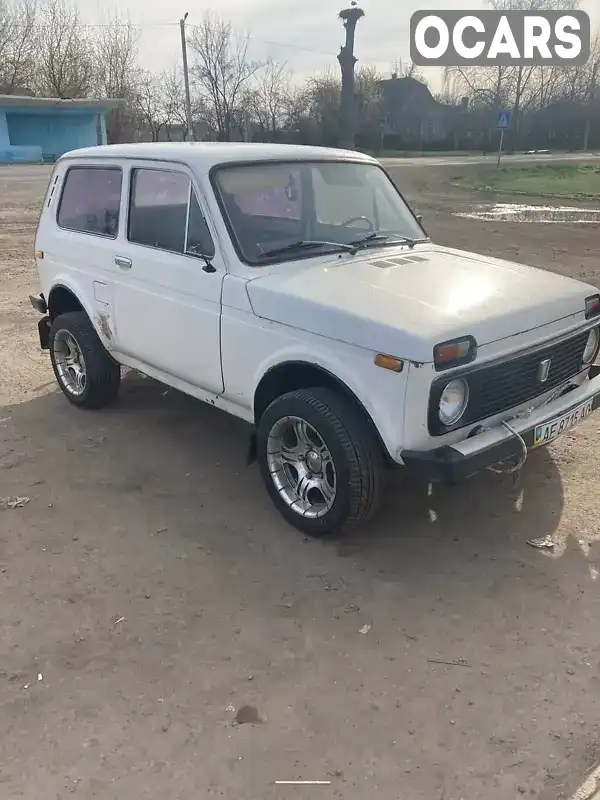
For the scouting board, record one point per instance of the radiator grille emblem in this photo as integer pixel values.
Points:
(544, 370)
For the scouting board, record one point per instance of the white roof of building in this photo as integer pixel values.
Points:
(209, 154)
(24, 101)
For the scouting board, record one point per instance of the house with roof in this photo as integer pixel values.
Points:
(570, 124)
(411, 113)
(39, 129)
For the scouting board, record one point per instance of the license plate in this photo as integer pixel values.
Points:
(549, 431)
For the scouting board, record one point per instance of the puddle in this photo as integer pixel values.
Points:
(517, 212)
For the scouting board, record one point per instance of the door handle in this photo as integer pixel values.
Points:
(124, 263)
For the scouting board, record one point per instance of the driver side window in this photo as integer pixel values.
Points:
(164, 213)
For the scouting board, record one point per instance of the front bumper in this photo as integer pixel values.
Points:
(39, 303)
(452, 463)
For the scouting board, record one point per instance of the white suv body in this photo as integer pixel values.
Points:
(294, 288)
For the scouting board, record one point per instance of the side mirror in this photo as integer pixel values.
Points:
(420, 219)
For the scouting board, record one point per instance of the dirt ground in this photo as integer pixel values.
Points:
(148, 592)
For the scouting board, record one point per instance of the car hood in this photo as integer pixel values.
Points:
(405, 302)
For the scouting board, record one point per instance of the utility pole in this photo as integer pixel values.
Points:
(186, 80)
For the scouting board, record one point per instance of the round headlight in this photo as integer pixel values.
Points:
(591, 346)
(453, 401)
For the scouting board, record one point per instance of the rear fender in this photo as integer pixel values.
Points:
(100, 318)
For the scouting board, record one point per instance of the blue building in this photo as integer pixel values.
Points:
(36, 129)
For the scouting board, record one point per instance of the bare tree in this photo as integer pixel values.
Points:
(534, 5)
(546, 85)
(488, 87)
(17, 45)
(173, 100)
(149, 104)
(118, 75)
(521, 77)
(325, 93)
(173, 104)
(222, 69)
(504, 86)
(583, 82)
(368, 98)
(298, 123)
(269, 98)
(116, 50)
(593, 70)
(65, 60)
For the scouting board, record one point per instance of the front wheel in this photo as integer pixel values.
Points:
(321, 463)
(87, 375)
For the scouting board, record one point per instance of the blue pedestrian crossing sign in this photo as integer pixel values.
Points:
(503, 120)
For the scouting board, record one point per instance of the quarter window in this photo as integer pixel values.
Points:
(90, 200)
(199, 241)
(164, 213)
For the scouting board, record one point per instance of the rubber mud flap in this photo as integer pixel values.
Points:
(44, 332)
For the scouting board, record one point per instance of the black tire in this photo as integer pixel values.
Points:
(357, 456)
(103, 374)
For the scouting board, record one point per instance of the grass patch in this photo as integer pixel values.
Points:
(420, 153)
(560, 181)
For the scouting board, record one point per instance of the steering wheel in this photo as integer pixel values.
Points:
(358, 219)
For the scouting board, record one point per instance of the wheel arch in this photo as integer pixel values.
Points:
(288, 376)
(63, 297)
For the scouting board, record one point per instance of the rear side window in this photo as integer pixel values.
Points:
(90, 200)
(164, 213)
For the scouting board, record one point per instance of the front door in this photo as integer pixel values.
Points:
(167, 302)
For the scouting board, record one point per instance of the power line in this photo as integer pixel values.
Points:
(281, 44)
(146, 25)
(155, 25)
(85, 25)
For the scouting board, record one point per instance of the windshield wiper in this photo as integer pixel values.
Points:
(379, 237)
(306, 244)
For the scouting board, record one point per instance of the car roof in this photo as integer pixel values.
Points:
(204, 155)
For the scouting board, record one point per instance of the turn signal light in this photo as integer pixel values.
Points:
(389, 362)
(454, 353)
(592, 306)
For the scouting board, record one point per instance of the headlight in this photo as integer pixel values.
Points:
(591, 346)
(453, 401)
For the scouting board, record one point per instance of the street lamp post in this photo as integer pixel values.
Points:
(186, 80)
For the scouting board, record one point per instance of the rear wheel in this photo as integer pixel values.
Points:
(321, 463)
(87, 375)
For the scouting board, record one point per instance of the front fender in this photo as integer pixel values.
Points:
(380, 392)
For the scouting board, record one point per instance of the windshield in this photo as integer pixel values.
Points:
(284, 211)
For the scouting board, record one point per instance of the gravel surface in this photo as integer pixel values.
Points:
(165, 635)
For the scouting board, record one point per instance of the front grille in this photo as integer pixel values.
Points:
(506, 385)
(511, 383)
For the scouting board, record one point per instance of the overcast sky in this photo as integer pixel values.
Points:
(305, 35)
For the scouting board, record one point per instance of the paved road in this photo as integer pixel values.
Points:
(34, 172)
(443, 161)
